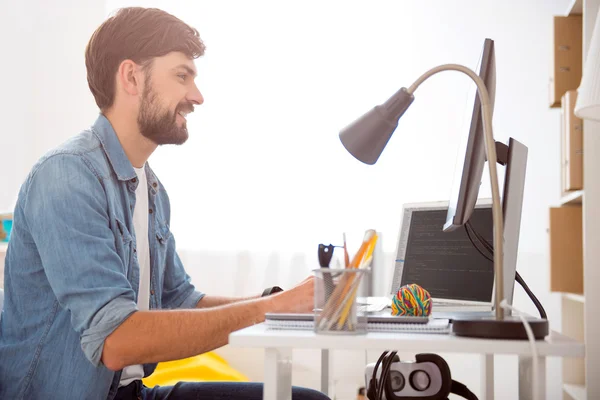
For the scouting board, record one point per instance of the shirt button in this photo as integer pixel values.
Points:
(150, 211)
(152, 292)
(134, 180)
(134, 250)
(154, 184)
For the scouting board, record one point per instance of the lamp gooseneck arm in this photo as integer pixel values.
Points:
(490, 150)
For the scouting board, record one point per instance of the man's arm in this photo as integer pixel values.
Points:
(215, 301)
(65, 210)
(155, 336)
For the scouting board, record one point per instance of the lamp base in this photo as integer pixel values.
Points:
(509, 328)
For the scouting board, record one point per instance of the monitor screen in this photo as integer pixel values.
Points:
(471, 156)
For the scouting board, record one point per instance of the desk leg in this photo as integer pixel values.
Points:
(278, 374)
(487, 377)
(526, 377)
(325, 371)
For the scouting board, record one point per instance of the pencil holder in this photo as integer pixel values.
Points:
(336, 311)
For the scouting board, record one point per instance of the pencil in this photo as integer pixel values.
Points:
(351, 297)
(346, 256)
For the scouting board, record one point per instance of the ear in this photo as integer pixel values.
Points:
(129, 77)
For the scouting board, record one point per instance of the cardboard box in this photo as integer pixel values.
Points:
(571, 144)
(567, 57)
(566, 249)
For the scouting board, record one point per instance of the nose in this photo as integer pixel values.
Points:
(195, 96)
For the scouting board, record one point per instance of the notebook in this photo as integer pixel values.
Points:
(376, 323)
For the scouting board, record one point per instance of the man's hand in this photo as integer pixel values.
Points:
(299, 299)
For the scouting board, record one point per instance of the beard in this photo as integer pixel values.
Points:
(159, 124)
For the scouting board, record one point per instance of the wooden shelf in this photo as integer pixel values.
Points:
(574, 297)
(572, 198)
(577, 392)
(575, 7)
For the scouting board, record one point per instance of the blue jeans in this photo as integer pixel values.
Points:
(208, 391)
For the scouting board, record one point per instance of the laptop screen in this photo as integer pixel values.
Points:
(446, 264)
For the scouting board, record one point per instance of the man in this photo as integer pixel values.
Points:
(95, 292)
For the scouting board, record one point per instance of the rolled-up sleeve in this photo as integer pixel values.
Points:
(67, 214)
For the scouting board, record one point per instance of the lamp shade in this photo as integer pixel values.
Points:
(588, 96)
(366, 137)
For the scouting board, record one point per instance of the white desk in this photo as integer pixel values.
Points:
(278, 345)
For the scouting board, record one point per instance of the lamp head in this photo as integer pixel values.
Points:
(366, 137)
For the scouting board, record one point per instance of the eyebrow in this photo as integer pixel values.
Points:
(187, 68)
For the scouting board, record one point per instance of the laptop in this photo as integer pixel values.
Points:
(458, 277)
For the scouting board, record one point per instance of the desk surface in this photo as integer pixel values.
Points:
(259, 336)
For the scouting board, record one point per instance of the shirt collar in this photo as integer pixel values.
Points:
(105, 133)
(103, 129)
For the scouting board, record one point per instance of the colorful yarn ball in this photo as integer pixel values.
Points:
(412, 300)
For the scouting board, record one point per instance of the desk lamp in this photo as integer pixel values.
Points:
(366, 138)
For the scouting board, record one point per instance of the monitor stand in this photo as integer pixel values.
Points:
(514, 156)
(511, 327)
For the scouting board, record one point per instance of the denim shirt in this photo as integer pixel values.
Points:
(71, 271)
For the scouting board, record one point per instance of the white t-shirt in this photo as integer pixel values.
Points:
(140, 226)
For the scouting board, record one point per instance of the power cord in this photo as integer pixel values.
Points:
(506, 306)
(518, 277)
(534, 353)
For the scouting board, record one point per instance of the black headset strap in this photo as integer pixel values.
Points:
(372, 390)
(461, 390)
(387, 363)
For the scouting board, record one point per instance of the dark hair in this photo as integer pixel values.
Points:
(137, 34)
(361, 391)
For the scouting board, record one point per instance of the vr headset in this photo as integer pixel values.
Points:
(427, 379)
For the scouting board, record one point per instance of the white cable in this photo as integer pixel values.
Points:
(534, 353)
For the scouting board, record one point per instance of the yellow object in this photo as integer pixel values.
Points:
(202, 368)
(365, 261)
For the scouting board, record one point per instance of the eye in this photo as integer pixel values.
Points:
(182, 76)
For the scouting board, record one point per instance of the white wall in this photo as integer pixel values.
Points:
(46, 99)
(453, 31)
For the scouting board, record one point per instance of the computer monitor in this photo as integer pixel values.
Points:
(471, 156)
(469, 172)
(423, 247)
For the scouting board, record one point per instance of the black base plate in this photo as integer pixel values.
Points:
(489, 328)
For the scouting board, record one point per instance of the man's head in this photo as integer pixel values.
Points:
(141, 61)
